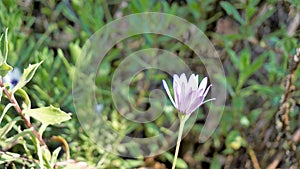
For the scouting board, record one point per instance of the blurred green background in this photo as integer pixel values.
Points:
(256, 41)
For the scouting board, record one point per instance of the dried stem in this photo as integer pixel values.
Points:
(282, 115)
(19, 110)
(253, 158)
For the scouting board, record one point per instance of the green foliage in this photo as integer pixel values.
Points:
(11, 132)
(26, 76)
(4, 67)
(255, 50)
(48, 115)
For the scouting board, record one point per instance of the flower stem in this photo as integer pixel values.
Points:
(182, 122)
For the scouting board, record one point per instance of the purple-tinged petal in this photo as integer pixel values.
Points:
(183, 78)
(168, 92)
(182, 96)
(203, 85)
(208, 100)
(176, 88)
(192, 98)
(187, 100)
(206, 91)
(193, 82)
(195, 105)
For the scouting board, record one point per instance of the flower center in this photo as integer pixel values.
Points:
(14, 82)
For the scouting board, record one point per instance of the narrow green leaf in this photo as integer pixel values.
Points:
(48, 115)
(42, 129)
(46, 156)
(26, 76)
(180, 163)
(4, 67)
(23, 94)
(245, 56)
(230, 10)
(5, 129)
(21, 134)
(235, 60)
(9, 105)
(54, 156)
(250, 11)
(264, 17)
(257, 63)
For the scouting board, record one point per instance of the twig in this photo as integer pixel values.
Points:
(253, 158)
(18, 109)
(282, 115)
(292, 27)
(276, 161)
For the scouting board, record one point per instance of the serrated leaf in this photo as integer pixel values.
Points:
(27, 76)
(48, 115)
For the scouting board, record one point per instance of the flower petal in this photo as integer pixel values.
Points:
(206, 91)
(168, 92)
(176, 88)
(208, 100)
(203, 85)
(182, 95)
(193, 82)
(191, 97)
(183, 78)
(195, 105)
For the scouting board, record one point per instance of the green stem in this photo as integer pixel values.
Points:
(182, 122)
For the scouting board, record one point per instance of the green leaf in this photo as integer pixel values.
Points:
(180, 163)
(215, 163)
(258, 63)
(245, 121)
(55, 155)
(21, 134)
(7, 107)
(264, 17)
(234, 140)
(230, 10)
(233, 57)
(250, 11)
(27, 76)
(133, 163)
(48, 115)
(23, 94)
(46, 156)
(245, 56)
(4, 130)
(4, 67)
